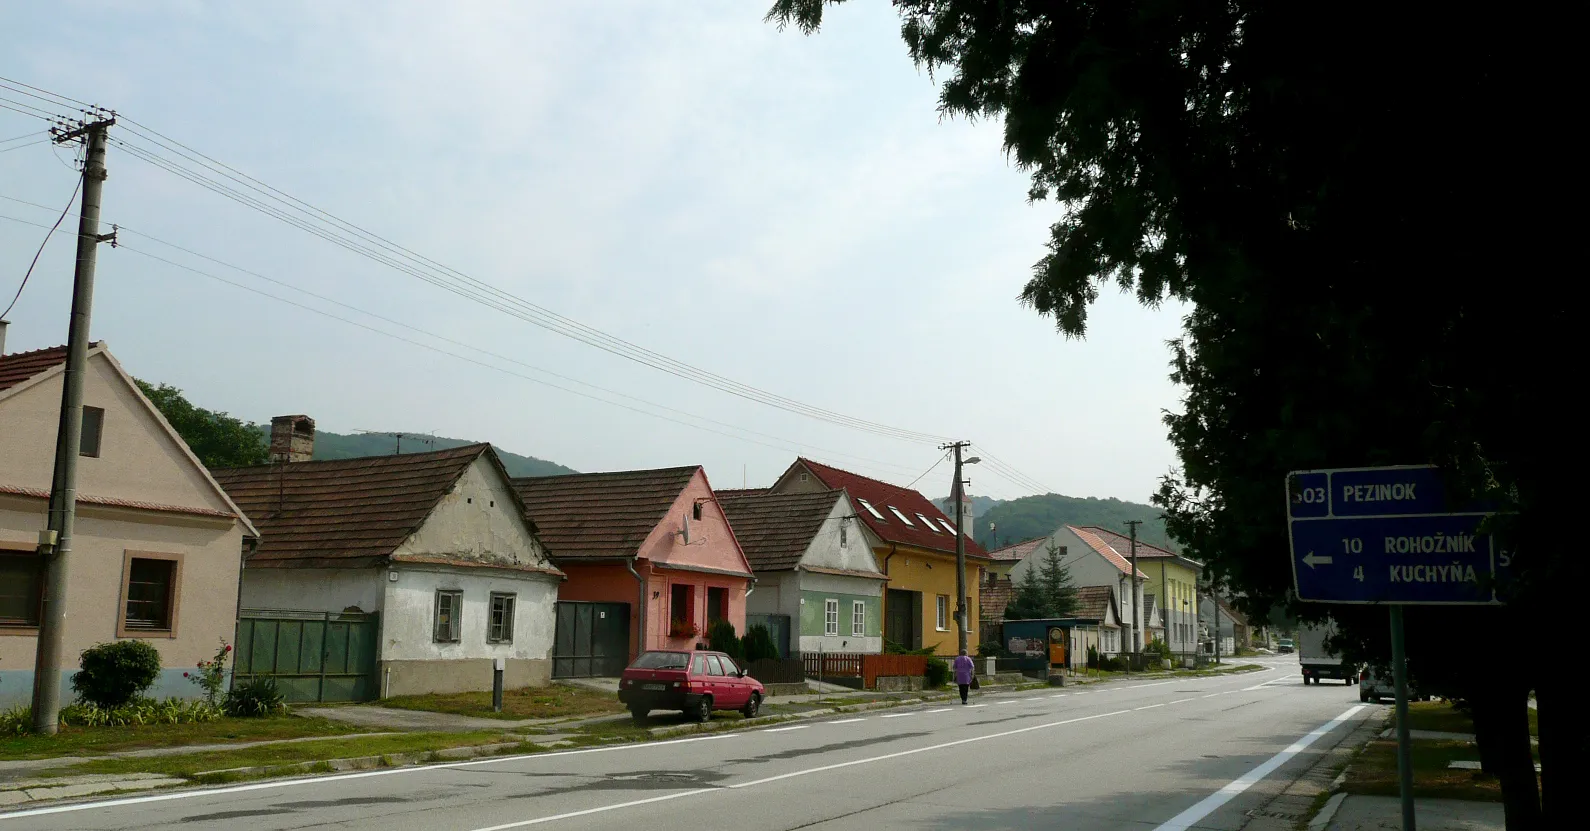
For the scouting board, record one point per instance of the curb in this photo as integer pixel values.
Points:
(1322, 820)
(369, 762)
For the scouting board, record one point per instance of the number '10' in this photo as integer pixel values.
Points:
(1353, 545)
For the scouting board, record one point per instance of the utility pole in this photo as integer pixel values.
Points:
(55, 542)
(960, 540)
(1137, 612)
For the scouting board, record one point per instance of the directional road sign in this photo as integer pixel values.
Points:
(1388, 535)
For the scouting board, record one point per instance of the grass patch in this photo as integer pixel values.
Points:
(186, 765)
(1442, 716)
(1374, 772)
(552, 701)
(93, 741)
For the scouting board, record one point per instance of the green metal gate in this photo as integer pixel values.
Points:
(591, 640)
(314, 656)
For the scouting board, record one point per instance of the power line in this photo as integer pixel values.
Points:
(23, 136)
(42, 243)
(24, 144)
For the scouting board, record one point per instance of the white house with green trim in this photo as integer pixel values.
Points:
(813, 565)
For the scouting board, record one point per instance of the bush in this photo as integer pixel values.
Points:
(1093, 657)
(17, 721)
(758, 644)
(892, 648)
(990, 649)
(1157, 650)
(256, 697)
(211, 675)
(114, 674)
(937, 674)
(721, 636)
(140, 711)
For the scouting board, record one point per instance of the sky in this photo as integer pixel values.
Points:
(789, 212)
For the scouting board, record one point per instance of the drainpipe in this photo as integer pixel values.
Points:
(750, 587)
(640, 611)
(249, 546)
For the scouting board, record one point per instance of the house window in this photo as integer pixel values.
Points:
(943, 613)
(830, 616)
(449, 611)
(93, 426)
(868, 505)
(499, 627)
(150, 589)
(844, 535)
(927, 522)
(947, 526)
(901, 517)
(679, 605)
(717, 604)
(21, 588)
(858, 618)
(695, 511)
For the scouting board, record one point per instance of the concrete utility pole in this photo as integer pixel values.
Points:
(1137, 612)
(960, 539)
(55, 543)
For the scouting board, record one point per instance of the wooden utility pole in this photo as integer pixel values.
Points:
(55, 542)
(960, 541)
(1137, 612)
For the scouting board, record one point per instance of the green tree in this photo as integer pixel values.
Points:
(1349, 304)
(1029, 601)
(1059, 592)
(218, 439)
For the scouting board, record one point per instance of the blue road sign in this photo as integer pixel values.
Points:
(1387, 535)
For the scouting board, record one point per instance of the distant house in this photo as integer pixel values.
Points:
(157, 545)
(1093, 562)
(813, 567)
(997, 588)
(1098, 603)
(1170, 595)
(1232, 623)
(650, 559)
(419, 571)
(914, 544)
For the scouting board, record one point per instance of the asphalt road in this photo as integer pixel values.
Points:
(1194, 753)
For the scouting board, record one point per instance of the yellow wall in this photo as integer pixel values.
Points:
(933, 574)
(1183, 585)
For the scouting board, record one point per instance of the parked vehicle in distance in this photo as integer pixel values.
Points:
(1285, 645)
(1374, 685)
(695, 682)
(1317, 661)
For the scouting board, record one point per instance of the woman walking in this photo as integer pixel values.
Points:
(965, 671)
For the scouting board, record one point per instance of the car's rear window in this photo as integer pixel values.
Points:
(662, 660)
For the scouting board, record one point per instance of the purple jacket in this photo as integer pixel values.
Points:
(964, 669)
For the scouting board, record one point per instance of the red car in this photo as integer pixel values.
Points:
(692, 681)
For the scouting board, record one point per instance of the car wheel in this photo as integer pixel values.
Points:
(753, 706)
(639, 713)
(703, 709)
(1363, 696)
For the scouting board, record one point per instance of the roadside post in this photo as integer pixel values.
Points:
(1389, 536)
(497, 668)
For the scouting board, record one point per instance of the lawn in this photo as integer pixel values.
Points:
(1443, 717)
(90, 741)
(1374, 772)
(552, 701)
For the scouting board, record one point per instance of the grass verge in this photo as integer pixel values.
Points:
(91, 741)
(553, 701)
(1374, 772)
(1443, 717)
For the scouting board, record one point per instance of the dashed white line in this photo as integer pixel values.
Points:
(1149, 707)
(1179, 701)
(1040, 698)
(847, 721)
(897, 715)
(786, 729)
(940, 710)
(1061, 695)
(975, 706)
(1211, 695)
(1012, 701)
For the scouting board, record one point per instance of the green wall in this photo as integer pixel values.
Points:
(812, 613)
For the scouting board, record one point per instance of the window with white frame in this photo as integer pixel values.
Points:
(830, 616)
(928, 523)
(943, 613)
(858, 618)
(947, 526)
(902, 517)
(868, 505)
(499, 626)
(449, 609)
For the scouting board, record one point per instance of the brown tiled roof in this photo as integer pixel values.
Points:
(993, 598)
(883, 496)
(20, 366)
(1097, 543)
(722, 492)
(601, 515)
(775, 529)
(343, 513)
(1018, 552)
(1094, 602)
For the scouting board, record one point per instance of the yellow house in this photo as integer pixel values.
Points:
(914, 544)
(1172, 584)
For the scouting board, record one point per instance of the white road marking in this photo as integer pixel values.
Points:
(786, 729)
(1061, 695)
(1149, 707)
(1209, 804)
(1155, 684)
(1211, 695)
(897, 715)
(975, 706)
(1040, 698)
(847, 721)
(1179, 701)
(940, 710)
(1012, 701)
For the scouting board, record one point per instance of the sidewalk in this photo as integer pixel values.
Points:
(1374, 813)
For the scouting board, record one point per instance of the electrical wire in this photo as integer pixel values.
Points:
(25, 144)
(51, 233)
(23, 136)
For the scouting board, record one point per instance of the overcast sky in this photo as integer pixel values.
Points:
(786, 211)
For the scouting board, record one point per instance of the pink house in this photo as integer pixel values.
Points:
(651, 562)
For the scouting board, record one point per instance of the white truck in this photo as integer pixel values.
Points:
(1316, 660)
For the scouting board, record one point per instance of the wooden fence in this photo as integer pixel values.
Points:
(778, 670)
(832, 664)
(875, 666)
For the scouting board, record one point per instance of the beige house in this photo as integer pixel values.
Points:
(427, 560)
(158, 545)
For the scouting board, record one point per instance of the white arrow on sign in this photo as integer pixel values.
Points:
(1315, 560)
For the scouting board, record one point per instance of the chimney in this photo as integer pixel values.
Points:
(292, 438)
(3, 325)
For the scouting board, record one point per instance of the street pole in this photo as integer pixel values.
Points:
(1214, 597)
(1399, 677)
(55, 543)
(960, 549)
(1137, 611)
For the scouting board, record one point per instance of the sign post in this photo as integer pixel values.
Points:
(1389, 535)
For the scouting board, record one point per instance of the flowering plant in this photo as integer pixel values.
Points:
(683, 629)
(211, 675)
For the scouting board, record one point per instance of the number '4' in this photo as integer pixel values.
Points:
(1358, 574)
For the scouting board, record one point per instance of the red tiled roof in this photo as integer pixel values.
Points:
(1098, 544)
(113, 502)
(1094, 602)
(883, 496)
(601, 515)
(775, 529)
(344, 513)
(20, 366)
(1018, 552)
